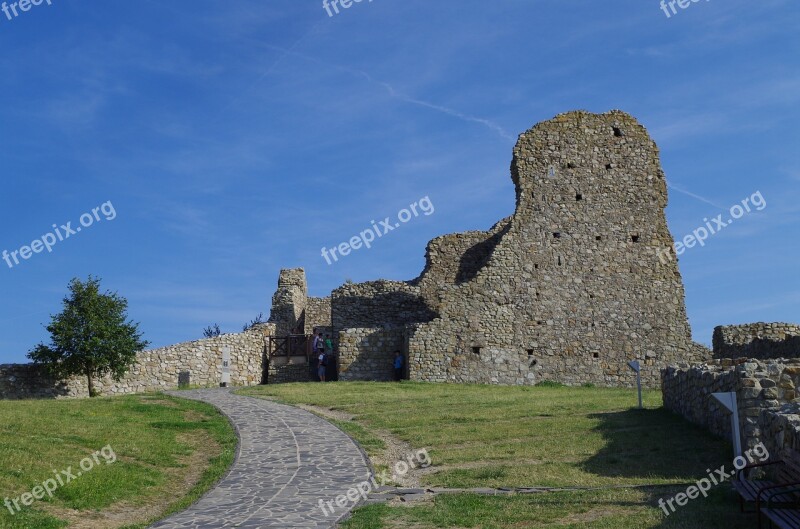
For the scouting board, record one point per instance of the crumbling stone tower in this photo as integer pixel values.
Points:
(569, 288)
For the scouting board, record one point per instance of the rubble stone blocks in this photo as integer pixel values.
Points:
(757, 340)
(155, 370)
(569, 288)
(368, 354)
(763, 389)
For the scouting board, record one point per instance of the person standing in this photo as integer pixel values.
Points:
(322, 365)
(398, 366)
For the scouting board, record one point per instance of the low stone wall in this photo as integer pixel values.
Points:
(757, 340)
(26, 381)
(368, 353)
(780, 431)
(759, 385)
(198, 363)
(282, 372)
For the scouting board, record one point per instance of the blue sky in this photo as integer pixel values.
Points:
(237, 138)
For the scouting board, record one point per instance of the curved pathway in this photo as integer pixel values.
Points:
(288, 460)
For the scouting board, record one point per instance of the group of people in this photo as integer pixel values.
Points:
(323, 348)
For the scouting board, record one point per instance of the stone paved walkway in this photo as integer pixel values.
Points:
(288, 460)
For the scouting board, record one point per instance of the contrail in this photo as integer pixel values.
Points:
(398, 95)
(693, 195)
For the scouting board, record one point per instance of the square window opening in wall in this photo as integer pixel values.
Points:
(608, 167)
(556, 235)
(530, 352)
(598, 237)
(618, 132)
(596, 355)
(476, 350)
(635, 237)
(578, 197)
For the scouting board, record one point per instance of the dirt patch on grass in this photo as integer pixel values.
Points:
(396, 450)
(179, 481)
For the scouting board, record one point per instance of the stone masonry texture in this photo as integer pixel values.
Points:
(569, 288)
(757, 340)
(199, 362)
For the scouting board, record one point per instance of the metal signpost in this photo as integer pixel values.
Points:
(729, 401)
(634, 364)
(226, 367)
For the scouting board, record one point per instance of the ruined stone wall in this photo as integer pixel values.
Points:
(289, 302)
(368, 353)
(27, 381)
(377, 304)
(757, 340)
(759, 385)
(571, 288)
(155, 370)
(317, 314)
(282, 371)
(780, 431)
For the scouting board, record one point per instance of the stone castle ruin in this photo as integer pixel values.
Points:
(568, 289)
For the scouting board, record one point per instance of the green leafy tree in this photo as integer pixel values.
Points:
(91, 336)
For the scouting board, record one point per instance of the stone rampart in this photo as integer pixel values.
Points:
(757, 340)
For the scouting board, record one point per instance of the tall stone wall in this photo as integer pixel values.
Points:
(289, 302)
(155, 370)
(757, 340)
(759, 385)
(368, 353)
(571, 288)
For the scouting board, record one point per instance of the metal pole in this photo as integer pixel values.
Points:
(639, 387)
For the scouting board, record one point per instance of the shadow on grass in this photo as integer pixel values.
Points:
(655, 444)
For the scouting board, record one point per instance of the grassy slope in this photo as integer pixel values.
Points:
(522, 436)
(150, 435)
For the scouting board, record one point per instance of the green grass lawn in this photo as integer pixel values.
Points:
(495, 436)
(168, 452)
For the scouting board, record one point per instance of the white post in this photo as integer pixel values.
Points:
(729, 401)
(226, 367)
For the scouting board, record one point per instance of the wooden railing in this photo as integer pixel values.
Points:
(292, 345)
